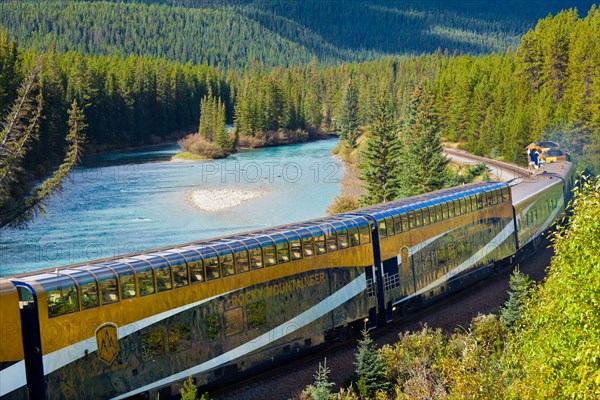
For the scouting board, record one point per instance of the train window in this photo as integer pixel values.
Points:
(506, 194)
(365, 234)
(213, 328)
(331, 240)
(444, 210)
(441, 256)
(308, 247)
(342, 235)
(463, 206)
(389, 223)
(180, 275)
(397, 223)
(418, 218)
(491, 198)
(233, 321)
(153, 345)
(425, 213)
(457, 208)
(257, 314)
(256, 259)
(296, 248)
(145, 280)
(411, 220)
(438, 213)
(227, 264)
(431, 212)
(283, 252)
(479, 200)
(62, 297)
(163, 278)
(382, 229)
(196, 271)
(109, 288)
(212, 268)
(269, 254)
(320, 244)
(89, 295)
(180, 337)
(242, 263)
(354, 236)
(450, 209)
(127, 280)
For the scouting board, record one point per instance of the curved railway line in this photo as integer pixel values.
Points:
(287, 381)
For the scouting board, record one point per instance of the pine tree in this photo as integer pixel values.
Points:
(424, 167)
(208, 111)
(321, 389)
(348, 122)
(370, 368)
(222, 138)
(520, 288)
(380, 163)
(19, 131)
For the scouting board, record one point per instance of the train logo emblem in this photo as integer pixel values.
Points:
(108, 343)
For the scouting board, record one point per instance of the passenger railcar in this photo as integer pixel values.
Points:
(216, 309)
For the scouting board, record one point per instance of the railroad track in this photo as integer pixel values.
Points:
(456, 311)
(503, 170)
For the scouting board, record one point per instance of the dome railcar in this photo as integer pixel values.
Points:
(218, 309)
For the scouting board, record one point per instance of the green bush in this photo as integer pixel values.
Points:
(555, 353)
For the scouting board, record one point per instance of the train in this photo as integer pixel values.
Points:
(138, 325)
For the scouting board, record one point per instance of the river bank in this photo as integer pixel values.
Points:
(196, 148)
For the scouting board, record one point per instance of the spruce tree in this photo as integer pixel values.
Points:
(321, 389)
(520, 287)
(370, 368)
(380, 163)
(348, 122)
(222, 138)
(424, 167)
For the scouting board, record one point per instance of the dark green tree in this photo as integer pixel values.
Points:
(424, 167)
(379, 159)
(370, 368)
(519, 292)
(348, 120)
(222, 137)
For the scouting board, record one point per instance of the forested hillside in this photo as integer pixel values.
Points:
(549, 88)
(271, 33)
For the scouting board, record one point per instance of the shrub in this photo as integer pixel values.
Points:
(197, 144)
(555, 353)
(343, 203)
(251, 142)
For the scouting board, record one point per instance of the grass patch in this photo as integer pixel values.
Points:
(186, 155)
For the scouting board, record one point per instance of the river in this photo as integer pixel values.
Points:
(125, 202)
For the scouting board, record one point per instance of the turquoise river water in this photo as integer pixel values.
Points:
(131, 201)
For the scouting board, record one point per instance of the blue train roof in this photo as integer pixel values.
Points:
(252, 240)
(402, 206)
